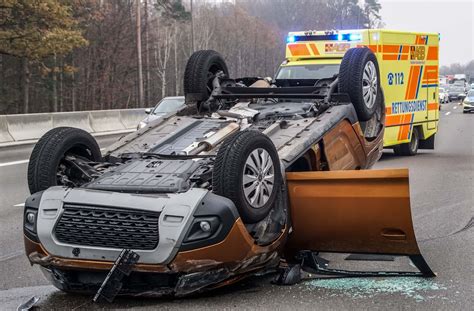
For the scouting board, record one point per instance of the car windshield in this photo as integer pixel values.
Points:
(441, 90)
(168, 105)
(308, 71)
(457, 89)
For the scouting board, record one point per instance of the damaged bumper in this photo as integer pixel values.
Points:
(192, 227)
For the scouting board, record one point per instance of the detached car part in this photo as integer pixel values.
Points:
(250, 172)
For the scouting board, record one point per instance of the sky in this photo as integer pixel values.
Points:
(453, 19)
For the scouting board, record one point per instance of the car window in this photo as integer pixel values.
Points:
(168, 105)
(441, 90)
(308, 71)
(470, 94)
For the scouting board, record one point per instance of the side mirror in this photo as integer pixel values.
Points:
(148, 110)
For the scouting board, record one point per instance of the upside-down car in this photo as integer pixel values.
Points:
(252, 172)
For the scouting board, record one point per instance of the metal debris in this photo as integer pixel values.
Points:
(26, 306)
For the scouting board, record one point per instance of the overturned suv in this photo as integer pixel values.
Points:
(250, 174)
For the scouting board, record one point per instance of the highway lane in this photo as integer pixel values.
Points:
(14, 267)
(442, 187)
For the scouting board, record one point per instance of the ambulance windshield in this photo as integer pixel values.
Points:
(308, 71)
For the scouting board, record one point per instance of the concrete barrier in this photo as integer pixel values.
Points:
(79, 119)
(21, 129)
(131, 117)
(29, 126)
(4, 134)
(106, 121)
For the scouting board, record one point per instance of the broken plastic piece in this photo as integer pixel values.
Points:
(113, 282)
(289, 275)
(26, 306)
(312, 263)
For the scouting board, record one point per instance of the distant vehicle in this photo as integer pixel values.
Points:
(468, 102)
(456, 92)
(460, 76)
(443, 96)
(472, 86)
(164, 107)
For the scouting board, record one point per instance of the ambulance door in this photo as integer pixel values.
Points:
(432, 64)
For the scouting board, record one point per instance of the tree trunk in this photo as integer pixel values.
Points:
(61, 95)
(73, 86)
(55, 85)
(176, 75)
(26, 85)
(139, 56)
(147, 58)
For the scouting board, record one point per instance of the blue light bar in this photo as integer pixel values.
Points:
(355, 37)
(339, 37)
(290, 39)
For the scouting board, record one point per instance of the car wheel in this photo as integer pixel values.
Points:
(247, 171)
(360, 78)
(411, 148)
(200, 71)
(47, 158)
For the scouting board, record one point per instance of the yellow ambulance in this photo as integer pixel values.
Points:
(408, 65)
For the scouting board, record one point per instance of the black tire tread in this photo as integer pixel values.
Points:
(404, 149)
(41, 164)
(195, 73)
(350, 80)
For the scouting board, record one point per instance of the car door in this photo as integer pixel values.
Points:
(362, 211)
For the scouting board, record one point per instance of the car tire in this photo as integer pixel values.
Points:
(241, 176)
(411, 148)
(359, 77)
(200, 71)
(51, 149)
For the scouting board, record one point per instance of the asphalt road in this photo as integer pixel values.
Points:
(442, 188)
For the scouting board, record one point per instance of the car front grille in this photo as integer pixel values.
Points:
(107, 227)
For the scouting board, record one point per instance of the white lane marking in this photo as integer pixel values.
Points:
(24, 161)
(447, 113)
(455, 107)
(11, 255)
(19, 205)
(14, 163)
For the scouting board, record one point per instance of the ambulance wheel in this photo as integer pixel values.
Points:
(411, 148)
(359, 77)
(200, 71)
(47, 161)
(247, 171)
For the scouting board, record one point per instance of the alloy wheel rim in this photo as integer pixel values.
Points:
(258, 178)
(369, 84)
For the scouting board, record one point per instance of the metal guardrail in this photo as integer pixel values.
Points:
(20, 129)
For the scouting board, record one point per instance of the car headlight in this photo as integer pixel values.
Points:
(141, 125)
(30, 216)
(202, 228)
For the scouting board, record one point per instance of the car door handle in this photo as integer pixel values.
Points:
(394, 234)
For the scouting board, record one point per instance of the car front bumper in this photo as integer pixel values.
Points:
(182, 262)
(468, 107)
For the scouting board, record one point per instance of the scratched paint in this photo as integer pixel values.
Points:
(416, 288)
